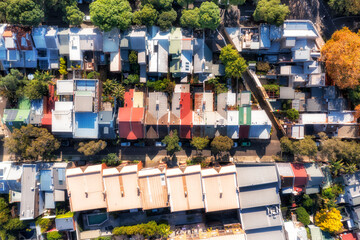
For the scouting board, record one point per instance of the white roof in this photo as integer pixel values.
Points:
(312, 118)
(259, 117)
(115, 62)
(290, 230)
(74, 46)
(285, 169)
(341, 117)
(297, 131)
(65, 87)
(299, 28)
(62, 117)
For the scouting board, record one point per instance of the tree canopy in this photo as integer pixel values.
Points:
(172, 142)
(73, 15)
(271, 11)
(235, 65)
(342, 58)
(31, 142)
(113, 89)
(147, 15)
(165, 85)
(184, 3)
(200, 142)
(92, 147)
(329, 220)
(292, 114)
(209, 15)
(190, 18)
(109, 14)
(148, 230)
(53, 235)
(221, 144)
(345, 7)
(166, 19)
(303, 147)
(302, 216)
(9, 227)
(36, 89)
(24, 12)
(11, 86)
(160, 4)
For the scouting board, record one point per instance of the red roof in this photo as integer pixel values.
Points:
(23, 38)
(347, 236)
(128, 98)
(300, 176)
(50, 103)
(131, 123)
(185, 104)
(47, 119)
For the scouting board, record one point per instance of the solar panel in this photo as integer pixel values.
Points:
(11, 115)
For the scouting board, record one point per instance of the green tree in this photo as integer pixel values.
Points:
(63, 68)
(109, 14)
(334, 149)
(228, 54)
(163, 230)
(36, 89)
(54, 235)
(73, 15)
(93, 75)
(166, 19)
(160, 4)
(237, 2)
(172, 142)
(184, 3)
(14, 224)
(209, 15)
(190, 18)
(11, 86)
(132, 79)
(302, 216)
(199, 143)
(146, 16)
(336, 167)
(221, 144)
(217, 86)
(263, 67)
(305, 147)
(286, 145)
(3, 6)
(44, 223)
(92, 147)
(350, 168)
(271, 11)
(308, 203)
(111, 160)
(345, 7)
(133, 57)
(24, 12)
(236, 68)
(165, 85)
(292, 114)
(119, 92)
(354, 95)
(31, 142)
(111, 88)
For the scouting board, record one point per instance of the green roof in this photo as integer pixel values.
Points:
(244, 115)
(175, 41)
(24, 104)
(65, 215)
(22, 115)
(175, 66)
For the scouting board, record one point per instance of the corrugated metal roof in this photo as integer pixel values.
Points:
(49, 200)
(251, 175)
(46, 180)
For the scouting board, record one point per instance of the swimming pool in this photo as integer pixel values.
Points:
(96, 219)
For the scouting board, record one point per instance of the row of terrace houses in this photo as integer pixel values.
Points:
(178, 51)
(77, 112)
(131, 187)
(192, 115)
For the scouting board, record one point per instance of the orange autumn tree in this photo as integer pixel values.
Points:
(341, 55)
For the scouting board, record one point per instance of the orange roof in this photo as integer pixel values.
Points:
(128, 98)
(7, 33)
(131, 123)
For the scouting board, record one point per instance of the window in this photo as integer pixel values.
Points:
(2, 186)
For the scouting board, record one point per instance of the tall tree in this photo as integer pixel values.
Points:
(228, 54)
(342, 58)
(92, 147)
(221, 144)
(109, 14)
(11, 86)
(190, 18)
(209, 15)
(166, 19)
(146, 16)
(73, 15)
(271, 11)
(329, 220)
(31, 142)
(172, 142)
(236, 68)
(199, 142)
(160, 4)
(24, 12)
(305, 147)
(36, 89)
(345, 7)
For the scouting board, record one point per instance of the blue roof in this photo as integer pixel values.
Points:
(49, 200)
(64, 224)
(265, 36)
(37, 105)
(45, 180)
(86, 125)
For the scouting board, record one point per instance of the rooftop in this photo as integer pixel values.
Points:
(28, 205)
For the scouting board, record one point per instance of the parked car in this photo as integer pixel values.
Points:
(87, 18)
(140, 144)
(245, 144)
(125, 144)
(160, 144)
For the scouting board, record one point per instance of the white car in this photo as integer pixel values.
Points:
(87, 18)
(125, 144)
(160, 144)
